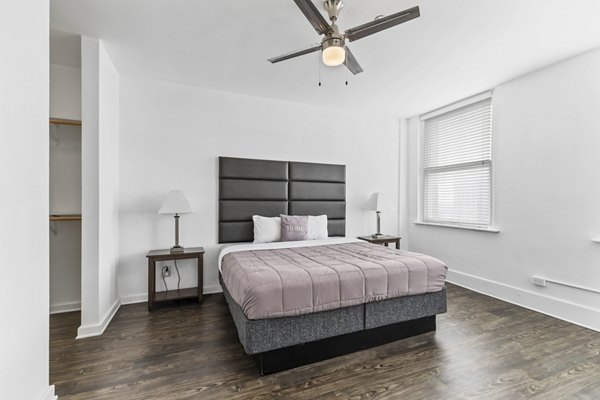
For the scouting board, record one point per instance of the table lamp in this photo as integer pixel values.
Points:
(374, 204)
(176, 203)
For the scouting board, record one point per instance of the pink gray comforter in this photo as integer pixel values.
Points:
(291, 281)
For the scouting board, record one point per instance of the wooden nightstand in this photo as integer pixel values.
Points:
(166, 255)
(382, 239)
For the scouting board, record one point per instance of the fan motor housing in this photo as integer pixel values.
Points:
(334, 40)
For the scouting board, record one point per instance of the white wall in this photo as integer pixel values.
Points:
(65, 171)
(24, 178)
(90, 253)
(100, 149)
(65, 92)
(65, 236)
(171, 136)
(108, 181)
(547, 192)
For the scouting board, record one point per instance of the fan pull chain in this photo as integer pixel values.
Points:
(319, 69)
(346, 76)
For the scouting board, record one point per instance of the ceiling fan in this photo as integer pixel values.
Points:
(333, 44)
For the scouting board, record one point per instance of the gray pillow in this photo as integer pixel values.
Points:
(294, 227)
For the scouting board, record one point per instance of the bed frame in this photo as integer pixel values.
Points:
(250, 187)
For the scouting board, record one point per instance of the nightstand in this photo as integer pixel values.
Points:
(177, 294)
(382, 239)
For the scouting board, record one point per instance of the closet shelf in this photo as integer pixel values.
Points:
(65, 217)
(61, 121)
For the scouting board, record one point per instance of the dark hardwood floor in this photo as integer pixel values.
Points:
(483, 349)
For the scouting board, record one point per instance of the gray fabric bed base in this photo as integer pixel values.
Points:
(258, 336)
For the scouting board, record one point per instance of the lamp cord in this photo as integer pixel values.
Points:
(163, 278)
(178, 276)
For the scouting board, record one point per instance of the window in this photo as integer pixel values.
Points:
(457, 164)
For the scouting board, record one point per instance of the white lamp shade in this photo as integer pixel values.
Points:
(175, 203)
(374, 202)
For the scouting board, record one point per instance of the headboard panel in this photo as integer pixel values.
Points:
(250, 187)
(246, 168)
(311, 172)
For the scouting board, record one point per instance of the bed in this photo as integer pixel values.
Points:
(295, 303)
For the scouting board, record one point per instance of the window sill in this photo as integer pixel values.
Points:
(490, 229)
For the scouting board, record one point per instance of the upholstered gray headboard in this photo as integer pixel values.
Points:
(250, 187)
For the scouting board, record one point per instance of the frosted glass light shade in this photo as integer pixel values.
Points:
(175, 203)
(334, 56)
(374, 202)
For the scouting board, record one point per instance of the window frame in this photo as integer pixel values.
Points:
(421, 167)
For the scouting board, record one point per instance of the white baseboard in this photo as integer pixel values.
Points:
(213, 289)
(142, 297)
(565, 310)
(134, 298)
(50, 394)
(96, 330)
(64, 307)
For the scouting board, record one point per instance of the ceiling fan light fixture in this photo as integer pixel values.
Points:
(334, 53)
(333, 45)
(334, 56)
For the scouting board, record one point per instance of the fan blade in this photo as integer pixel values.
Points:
(313, 16)
(351, 63)
(297, 53)
(380, 24)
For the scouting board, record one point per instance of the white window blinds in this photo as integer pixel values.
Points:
(457, 166)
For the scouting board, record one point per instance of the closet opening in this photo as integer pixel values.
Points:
(65, 173)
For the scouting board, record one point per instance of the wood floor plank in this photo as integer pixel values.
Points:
(483, 349)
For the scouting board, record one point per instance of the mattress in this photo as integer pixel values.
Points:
(287, 279)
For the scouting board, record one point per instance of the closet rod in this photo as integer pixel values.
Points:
(61, 121)
(67, 217)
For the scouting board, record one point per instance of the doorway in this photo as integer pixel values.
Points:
(65, 172)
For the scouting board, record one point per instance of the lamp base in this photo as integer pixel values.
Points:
(376, 235)
(177, 249)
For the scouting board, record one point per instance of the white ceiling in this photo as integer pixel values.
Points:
(455, 49)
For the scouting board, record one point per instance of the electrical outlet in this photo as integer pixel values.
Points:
(166, 271)
(538, 281)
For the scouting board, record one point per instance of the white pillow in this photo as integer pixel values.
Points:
(317, 227)
(266, 229)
